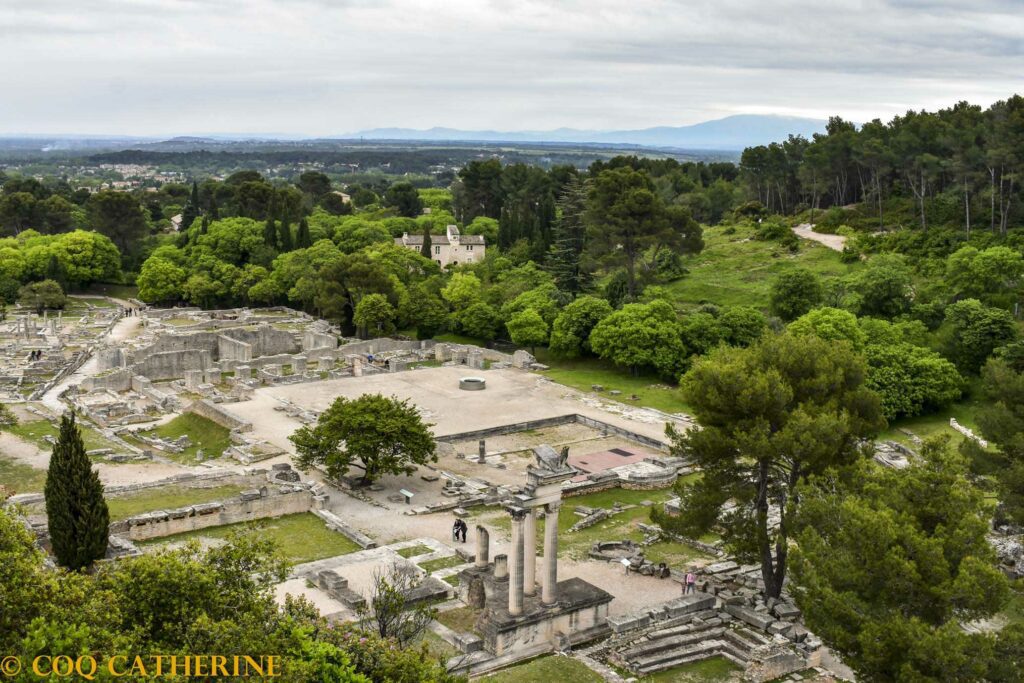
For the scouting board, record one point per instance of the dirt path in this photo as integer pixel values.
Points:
(123, 329)
(805, 230)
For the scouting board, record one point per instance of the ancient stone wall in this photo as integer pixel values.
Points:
(170, 522)
(173, 364)
(215, 413)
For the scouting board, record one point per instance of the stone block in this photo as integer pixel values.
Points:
(749, 616)
(628, 622)
(688, 604)
(785, 610)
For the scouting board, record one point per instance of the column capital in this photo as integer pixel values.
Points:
(517, 512)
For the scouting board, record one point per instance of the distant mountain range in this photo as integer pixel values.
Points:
(731, 133)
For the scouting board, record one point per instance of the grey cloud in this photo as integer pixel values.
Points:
(330, 66)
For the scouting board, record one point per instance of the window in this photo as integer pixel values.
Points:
(469, 247)
(437, 250)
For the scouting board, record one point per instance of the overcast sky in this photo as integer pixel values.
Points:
(328, 67)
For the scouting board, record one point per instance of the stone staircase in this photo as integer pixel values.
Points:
(701, 639)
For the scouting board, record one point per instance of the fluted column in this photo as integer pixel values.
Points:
(530, 553)
(515, 564)
(483, 546)
(549, 591)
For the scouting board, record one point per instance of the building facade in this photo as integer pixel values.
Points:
(450, 248)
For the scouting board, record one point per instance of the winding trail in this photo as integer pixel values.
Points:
(806, 231)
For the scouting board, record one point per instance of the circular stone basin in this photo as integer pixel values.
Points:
(614, 551)
(472, 384)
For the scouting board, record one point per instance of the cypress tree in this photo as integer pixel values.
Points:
(425, 249)
(191, 209)
(569, 240)
(284, 240)
(270, 233)
(303, 240)
(75, 508)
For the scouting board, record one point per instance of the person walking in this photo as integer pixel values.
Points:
(455, 529)
(691, 582)
(465, 529)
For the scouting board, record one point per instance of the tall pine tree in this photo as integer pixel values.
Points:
(75, 508)
(191, 209)
(284, 235)
(569, 240)
(302, 239)
(425, 249)
(270, 233)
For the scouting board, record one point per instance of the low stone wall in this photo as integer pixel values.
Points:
(213, 412)
(169, 522)
(115, 380)
(384, 344)
(556, 421)
(338, 524)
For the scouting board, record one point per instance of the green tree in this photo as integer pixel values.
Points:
(888, 565)
(528, 328)
(1001, 421)
(642, 337)
(566, 257)
(884, 288)
(479, 320)
(426, 250)
(372, 433)
(119, 216)
(794, 293)
(911, 380)
(284, 235)
(76, 511)
(627, 220)
(42, 295)
(303, 240)
(374, 315)
(742, 325)
(832, 324)
(404, 198)
(462, 291)
(570, 333)
(770, 416)
(314, 183)
(974, 331)
(429, 314)
(160, 281)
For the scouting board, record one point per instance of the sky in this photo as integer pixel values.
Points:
(330, 67)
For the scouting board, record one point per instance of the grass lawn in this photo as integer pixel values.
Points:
(301, 537)
(203, 433)
(546, 670)
(714, 669)
(461, 619)
(583, 373)
(735, 270)
(441, 563)
(167, 498)
(436, 645)
(453, 338)
(96, 301)
(35, 431)
(18, 477)
(414, 551)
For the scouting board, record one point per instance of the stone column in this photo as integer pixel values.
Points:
(483, 543)
(500, 567)
(515, 564)
(549, 592)
(530, 553)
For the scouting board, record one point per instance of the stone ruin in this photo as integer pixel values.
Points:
(517, 618)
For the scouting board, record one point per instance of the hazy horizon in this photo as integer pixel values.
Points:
(319, 68)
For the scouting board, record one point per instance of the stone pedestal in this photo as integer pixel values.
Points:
(501, 567)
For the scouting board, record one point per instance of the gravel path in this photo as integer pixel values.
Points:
(806, 231)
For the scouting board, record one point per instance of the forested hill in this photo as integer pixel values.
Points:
(961, 166)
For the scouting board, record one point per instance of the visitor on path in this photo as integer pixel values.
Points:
(691, 582)
(465, 529)
(456, 528)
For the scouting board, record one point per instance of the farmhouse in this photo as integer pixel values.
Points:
(450, 248)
